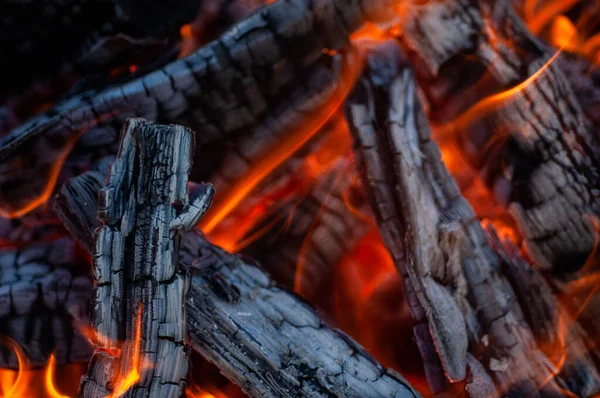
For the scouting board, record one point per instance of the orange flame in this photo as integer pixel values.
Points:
(50, 388)
(13, 384)
(53, 174)
(549, 10)
(194, 391)
(294, 141)
(493, 102)
(134, 367)
(564, 34)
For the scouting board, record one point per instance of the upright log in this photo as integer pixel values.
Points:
(138, 305)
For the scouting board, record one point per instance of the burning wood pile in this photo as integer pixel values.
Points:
(197, 197)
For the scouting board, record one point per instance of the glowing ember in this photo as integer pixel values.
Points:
(13, 384)
(52, 391)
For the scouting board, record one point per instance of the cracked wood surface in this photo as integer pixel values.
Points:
(262, 337)
(228, 85)
(535, 150)
(470, 328)
(281, 346)
(44, 295)
(140, 287)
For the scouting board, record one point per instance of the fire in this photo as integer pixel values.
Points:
(536, 21)
(24, 382)
(548, 19)
(194, 391)
(131, 371)
(232, 232)
(227, 201)
(493, 102)
(50, 388)
(564, 34)
(13, 384)
(42, 198)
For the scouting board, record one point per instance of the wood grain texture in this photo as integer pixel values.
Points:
(269, 341)
(139, 286)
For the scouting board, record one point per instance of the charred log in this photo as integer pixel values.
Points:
(138, 304)
(470, 328)
(532, 145)
(276, 344)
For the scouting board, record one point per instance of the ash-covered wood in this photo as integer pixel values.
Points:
(138, 304)
(265, 339)
(44, 294)
(535, 148)
(470, 328)
(229, 85)
(269, 341)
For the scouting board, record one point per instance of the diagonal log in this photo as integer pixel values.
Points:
(137, 305)
(533, 146)
(470, 328)
(263, 338)
(228, 85)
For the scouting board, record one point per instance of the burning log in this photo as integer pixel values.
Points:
(228, 86)
(138, 304)
(470, 328)
(262, 337)
(44, 294)
(290, 125)
(532, 143)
